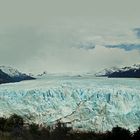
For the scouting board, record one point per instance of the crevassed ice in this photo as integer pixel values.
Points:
(85, 103)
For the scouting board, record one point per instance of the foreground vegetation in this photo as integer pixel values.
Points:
(14, 128)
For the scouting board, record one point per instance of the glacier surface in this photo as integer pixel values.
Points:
(84, 103)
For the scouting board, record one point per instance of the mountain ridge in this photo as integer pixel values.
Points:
(9, 74)
(124, 72)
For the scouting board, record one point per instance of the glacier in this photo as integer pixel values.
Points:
(85, 103)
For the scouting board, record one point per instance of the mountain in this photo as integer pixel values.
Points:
(9, 74)
(4, 78)
(44, 73)
(125, 72)
(106, 72)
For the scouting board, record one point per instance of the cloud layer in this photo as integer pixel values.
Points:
(126, 47)
(137, 32)
(67, 49)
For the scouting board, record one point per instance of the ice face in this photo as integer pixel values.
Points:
(86, 103)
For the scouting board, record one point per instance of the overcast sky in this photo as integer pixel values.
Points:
(69, 35)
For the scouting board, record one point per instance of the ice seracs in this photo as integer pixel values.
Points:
(87, 104)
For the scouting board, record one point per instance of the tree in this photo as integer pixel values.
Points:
(120, 133)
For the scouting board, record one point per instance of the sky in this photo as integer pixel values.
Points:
(75, 36)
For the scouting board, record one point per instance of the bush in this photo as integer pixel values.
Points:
(12, 122)
(60, 132)
(136, 135)
(120, 133)
(13, 127)
(2, 123)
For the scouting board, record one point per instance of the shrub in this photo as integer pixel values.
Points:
(120, 133)
(136, 135)
(12, 122)
(2, 123)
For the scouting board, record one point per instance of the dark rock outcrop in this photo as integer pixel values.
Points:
(5, 78)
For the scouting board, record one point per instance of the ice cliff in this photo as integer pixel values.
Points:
(85, 104)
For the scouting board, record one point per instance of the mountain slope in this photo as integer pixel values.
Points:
(125, 72)
(4, 78)
(8, 74)
(106, 72)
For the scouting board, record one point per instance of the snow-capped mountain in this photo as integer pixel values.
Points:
(44, 73)
(10, 71)
(129, 71)
(4, 78)
(9, 74)
(106, 72)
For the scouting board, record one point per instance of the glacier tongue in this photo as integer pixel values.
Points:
(85, 105)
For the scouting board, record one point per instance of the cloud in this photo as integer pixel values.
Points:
(18, 45)
(68, 47)
(137, 32)
(126, 47)
(86, 45)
